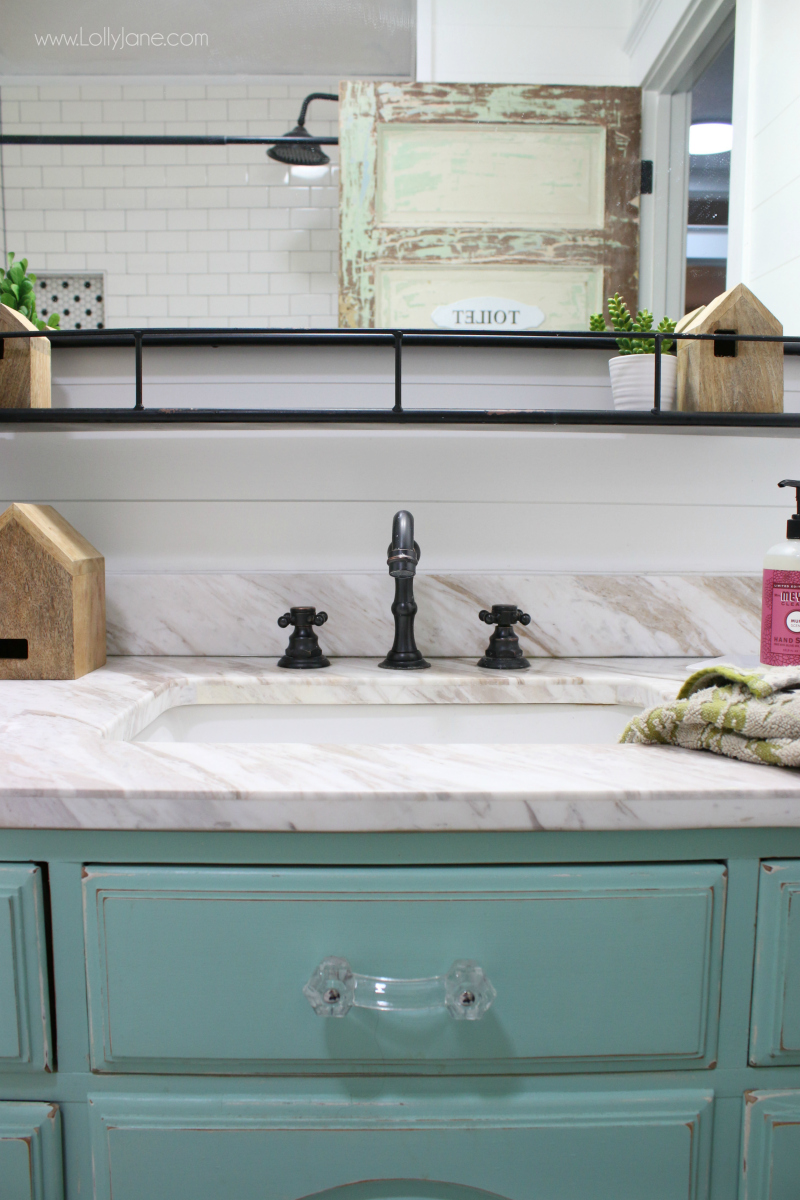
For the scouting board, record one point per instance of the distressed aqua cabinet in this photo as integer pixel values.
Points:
(515, 1147)
(775, 1026)
(30, 1152)
(641, 1042)
(24, 996)
(771, 1156)
(202, 970)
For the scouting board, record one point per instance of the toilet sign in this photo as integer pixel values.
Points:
(487, 312)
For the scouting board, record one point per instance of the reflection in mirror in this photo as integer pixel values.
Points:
(709, 181)
(206, 234)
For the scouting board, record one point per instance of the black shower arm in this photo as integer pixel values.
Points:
(214, 139)
(301, 120)
(146, 139)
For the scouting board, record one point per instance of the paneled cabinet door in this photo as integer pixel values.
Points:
(469, 1146)
(202, 969)
(771, 1156)
(30, 1152)
(24, 999)
(775, 1019)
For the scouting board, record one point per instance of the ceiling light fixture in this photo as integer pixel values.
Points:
(710, 137)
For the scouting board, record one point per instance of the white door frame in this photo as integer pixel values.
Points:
(678, 54)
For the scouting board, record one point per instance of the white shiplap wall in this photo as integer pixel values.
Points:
(185, 235)
(322, 499)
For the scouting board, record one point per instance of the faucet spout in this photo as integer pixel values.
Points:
(403, 553)
(402, 558)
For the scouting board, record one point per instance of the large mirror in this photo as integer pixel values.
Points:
(527, 159)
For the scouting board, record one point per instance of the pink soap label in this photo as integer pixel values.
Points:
(780, 619)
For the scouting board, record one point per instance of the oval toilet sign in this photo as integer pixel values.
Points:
(487, 312)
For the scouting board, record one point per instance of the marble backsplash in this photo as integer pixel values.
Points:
(571, 615)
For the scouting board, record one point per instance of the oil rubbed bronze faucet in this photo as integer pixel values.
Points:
(402, 558)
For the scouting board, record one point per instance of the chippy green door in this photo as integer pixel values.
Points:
(478, 1142)
(495, 206)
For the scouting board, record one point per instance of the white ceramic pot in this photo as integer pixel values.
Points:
(633, 381)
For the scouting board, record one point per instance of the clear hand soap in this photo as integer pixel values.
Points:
(780, 601)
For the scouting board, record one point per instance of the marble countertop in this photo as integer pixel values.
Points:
(66, 761)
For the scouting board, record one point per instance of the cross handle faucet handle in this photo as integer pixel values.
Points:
(504, 614)
(302, 616)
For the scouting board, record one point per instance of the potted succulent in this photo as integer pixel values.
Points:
(16, 291)
(633, 370)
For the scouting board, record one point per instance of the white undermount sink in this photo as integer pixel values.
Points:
(391, 723)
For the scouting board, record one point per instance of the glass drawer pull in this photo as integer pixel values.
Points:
(334, 988)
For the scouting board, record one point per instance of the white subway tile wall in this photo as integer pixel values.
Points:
(185, 235)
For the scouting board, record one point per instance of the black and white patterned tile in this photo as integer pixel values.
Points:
(78, 299)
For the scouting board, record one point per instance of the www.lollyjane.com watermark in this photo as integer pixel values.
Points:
(107, 39)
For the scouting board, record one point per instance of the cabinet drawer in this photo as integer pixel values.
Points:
(30, 1152)
(558, 1147)
(775, 1016)
(24, 997)
(771, 1146)
(597, 967)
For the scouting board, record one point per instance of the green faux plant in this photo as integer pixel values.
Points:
(16, 291)
(623, 322)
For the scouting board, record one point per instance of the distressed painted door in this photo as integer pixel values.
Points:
(479, 1142)
(489, 206)
(201, 969)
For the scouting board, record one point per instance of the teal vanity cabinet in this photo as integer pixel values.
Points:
(639, 1043)
(625, 1146)
(30, 1152)
(24, 995)
(771, 1146)
(775, 1021)
(771, 1136)
(201, 970)
(30, 1133)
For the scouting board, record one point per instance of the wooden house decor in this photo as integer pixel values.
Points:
(24, 365)
(52, 597)
(731, 376)
(500, 206)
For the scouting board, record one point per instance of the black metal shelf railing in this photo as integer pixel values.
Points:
(398, 413)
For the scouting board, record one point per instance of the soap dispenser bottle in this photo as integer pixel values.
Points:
(780, 602)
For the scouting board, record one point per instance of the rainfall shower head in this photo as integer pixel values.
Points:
(299, 153)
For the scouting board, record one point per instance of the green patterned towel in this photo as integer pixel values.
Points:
(752, 715)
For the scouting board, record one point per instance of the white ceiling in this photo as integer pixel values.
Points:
(242, 37)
